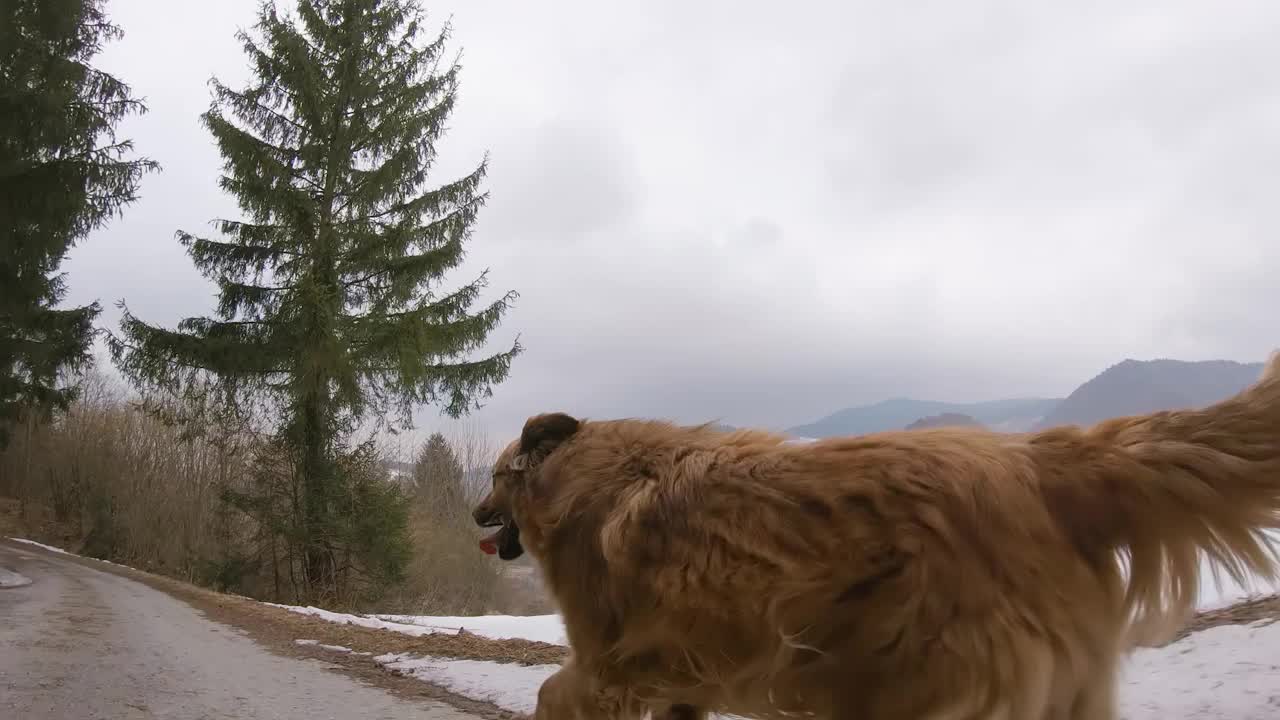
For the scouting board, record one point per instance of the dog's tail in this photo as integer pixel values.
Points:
(1158, 492)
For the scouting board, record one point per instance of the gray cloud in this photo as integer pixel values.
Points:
(560, 181)
(729, 211)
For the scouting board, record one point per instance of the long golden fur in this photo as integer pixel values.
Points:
(949, 574)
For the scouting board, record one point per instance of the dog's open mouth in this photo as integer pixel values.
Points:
(503, 542)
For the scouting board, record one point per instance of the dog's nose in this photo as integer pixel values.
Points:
(485, 515)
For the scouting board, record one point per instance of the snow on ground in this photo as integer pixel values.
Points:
(60, 551)
(510, 687)
(50, 548)
(539, 628)
(360, 620)
(1230, 672)
(550, 628)
(11, 579)
(503, 627)
(333, 648)
(1224, 673)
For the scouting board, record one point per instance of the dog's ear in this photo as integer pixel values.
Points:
(541, 436)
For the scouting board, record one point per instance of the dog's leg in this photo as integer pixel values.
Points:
(564, 696)
(680, 712)
(569, 694)
(1097, 699)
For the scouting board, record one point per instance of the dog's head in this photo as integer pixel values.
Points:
(512, 473)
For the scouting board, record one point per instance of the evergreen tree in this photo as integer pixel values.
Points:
(329, 288)
(438, 474)
(63, 173)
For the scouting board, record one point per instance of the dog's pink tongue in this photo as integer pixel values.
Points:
(489, 544)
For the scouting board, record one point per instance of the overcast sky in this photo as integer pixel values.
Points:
(736, 211)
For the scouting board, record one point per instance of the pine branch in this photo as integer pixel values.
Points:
(431, 201)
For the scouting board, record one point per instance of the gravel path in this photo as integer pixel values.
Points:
(80, 644)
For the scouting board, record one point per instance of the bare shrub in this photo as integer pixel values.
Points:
(448, 575)
(217, 504)
(132, 486)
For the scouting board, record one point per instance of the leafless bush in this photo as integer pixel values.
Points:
(448, 574)
(476, 452)
(132, 486)
(214, 505)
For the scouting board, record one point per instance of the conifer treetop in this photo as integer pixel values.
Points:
(332, 284)
(64, 172)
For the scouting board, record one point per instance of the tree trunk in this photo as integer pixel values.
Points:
(25, 480)
(317, 505)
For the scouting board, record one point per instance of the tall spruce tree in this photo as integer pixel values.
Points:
(63, 173)
(329, 288)
(438, 474)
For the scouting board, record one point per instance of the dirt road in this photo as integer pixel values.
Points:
(80, 644)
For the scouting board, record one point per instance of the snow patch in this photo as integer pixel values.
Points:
(510, 687)
(538, 628)
(50, 548)
(1230, 672)
(550, 628)
(331, 648)
(60, 551)
(359, 620)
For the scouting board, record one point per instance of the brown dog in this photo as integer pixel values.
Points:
(952, 574)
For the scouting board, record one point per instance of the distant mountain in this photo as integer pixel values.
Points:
(1134, 387)
(944, 420)
(1001, 415)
